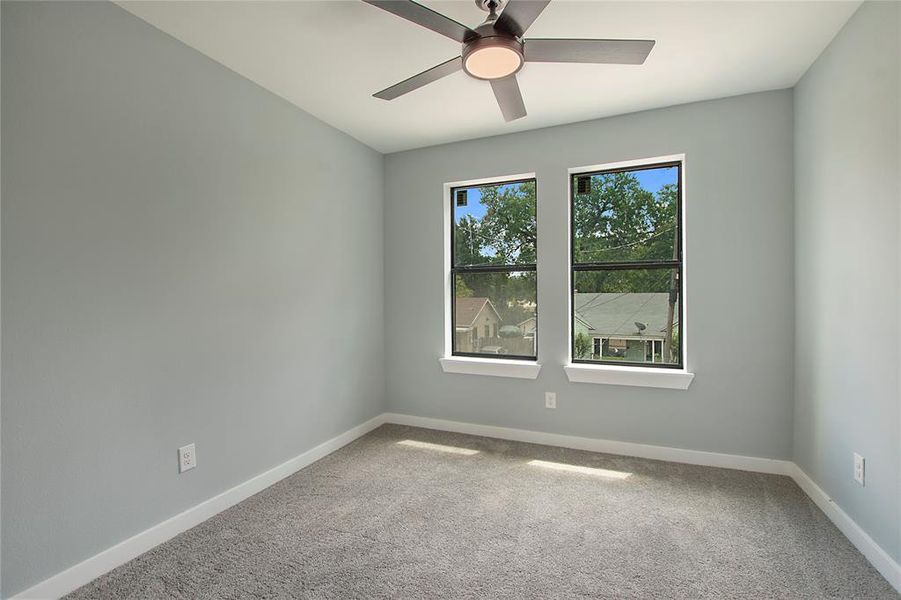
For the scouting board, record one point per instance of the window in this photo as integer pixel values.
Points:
(493, 273)
(626, 258)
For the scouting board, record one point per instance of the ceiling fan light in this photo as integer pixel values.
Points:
(492, 57)
(493, 62)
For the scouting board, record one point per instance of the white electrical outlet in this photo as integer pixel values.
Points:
(860, 468)
(187, 458)
(550, 399)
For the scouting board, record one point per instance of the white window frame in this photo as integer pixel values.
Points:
(496, 367)
(627, 375)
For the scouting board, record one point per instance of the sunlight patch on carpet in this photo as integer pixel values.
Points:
(580, 469)
(438, 447)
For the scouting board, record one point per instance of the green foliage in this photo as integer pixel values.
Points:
(509, 225)
(582, 345)
(461, 289)
(674, 349)
(468, 242)
(619, 221)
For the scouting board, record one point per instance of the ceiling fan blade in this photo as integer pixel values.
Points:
(518, 15)
(420, 79)
(509, 98)
(620, 52)
(426, 17)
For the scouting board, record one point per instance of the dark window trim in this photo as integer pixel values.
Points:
(618, 265)
(624, 266)
(496, 268)
(454, 270)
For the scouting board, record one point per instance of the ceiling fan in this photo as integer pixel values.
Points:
(495, 51)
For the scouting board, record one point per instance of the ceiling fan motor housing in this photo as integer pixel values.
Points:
(491, 5)
(491, 41)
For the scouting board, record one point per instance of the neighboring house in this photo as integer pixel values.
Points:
(476, 324)
(609, 321)
(527, 327)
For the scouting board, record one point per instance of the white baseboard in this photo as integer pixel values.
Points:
(86, 571)
(679, 455)
(879, 558)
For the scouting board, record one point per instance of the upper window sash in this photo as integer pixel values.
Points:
(513, 239)
(625, 253)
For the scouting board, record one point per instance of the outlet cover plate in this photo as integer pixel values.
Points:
(187, 458)
(860, 469)
(550, 399)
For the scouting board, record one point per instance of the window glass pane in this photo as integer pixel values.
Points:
(494, 224)
(626, 216)
(627, 315)
(495, 313)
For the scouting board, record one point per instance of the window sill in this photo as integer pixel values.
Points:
(674, 379)
(495, 367)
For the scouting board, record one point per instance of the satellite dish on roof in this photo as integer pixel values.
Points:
(641, 327)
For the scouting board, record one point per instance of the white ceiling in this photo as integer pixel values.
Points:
(329, 57)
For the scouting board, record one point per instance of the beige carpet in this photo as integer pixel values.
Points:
(385, 519)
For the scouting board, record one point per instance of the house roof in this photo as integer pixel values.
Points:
(467, 309)
(616, 314)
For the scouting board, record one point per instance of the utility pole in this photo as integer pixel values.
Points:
(673, 298)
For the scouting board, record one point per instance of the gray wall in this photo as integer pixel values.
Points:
(739, 279)
(186, 257)
(847, 264)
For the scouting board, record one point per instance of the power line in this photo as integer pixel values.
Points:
(630, 244)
